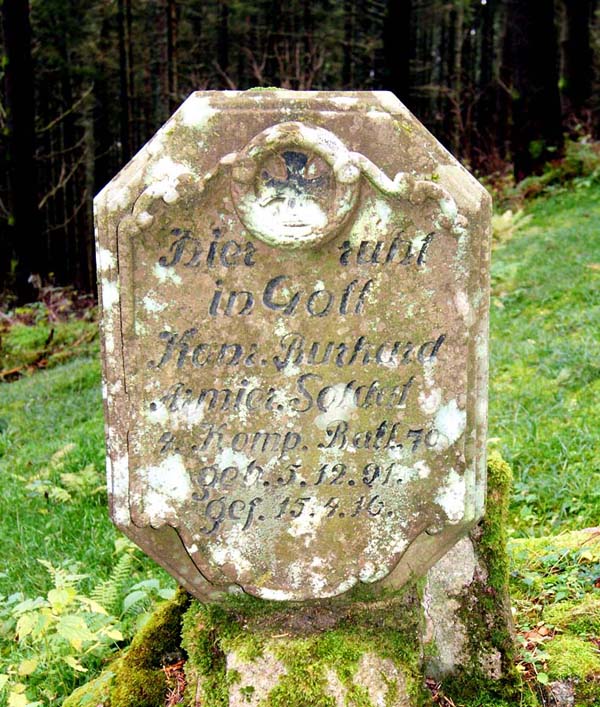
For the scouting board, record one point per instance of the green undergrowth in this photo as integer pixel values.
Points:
(577, 169)
(545, 369)
(555, 589)
(71, 588)
(30, 341)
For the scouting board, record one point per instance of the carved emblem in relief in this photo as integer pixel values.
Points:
(295, 186)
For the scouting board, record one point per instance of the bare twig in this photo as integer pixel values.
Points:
(62, 181)
(258, 67)
(70, 110)
(57, 153)
(232, 86)
(66, 222)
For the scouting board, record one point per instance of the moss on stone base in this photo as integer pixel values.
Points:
(490, 678)
(93, 693)
(139, 677)
(309, 641)
(136, 678)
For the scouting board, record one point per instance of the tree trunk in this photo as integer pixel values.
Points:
(485, 113)
(124, 108)
(457, 71)
(532, 56)
(348, 49)
(26, 242)
(104, 162)
(89, 272)
(397, 47)
(172, 54)
(577, 58)
(134, 127)
(274, 33)
(445, 103)
(223, 38)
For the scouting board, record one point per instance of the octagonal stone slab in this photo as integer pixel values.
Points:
(294, 292)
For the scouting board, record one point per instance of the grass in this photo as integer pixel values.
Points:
(51, 427)
(59, 546)
(41, 415)
(545, 363)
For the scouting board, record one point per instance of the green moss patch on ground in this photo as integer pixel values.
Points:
(556, 595)
(581, 617)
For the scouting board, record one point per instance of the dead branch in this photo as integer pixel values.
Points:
(231, 85)
(42, 359)
(77, 209)
(62, 181)
(258, 67)
(69, 110)
(58, 153)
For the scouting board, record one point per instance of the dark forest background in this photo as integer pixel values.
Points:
(84, 84)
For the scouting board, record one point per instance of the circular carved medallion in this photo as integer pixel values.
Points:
(294, 185)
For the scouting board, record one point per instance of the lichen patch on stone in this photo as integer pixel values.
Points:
(451, 496)
(450, 421)
(197, 112)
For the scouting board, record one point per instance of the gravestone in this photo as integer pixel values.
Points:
(294, 290)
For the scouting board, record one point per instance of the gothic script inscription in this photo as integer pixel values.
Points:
(300, 338)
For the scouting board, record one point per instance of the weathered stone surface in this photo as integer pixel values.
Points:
(378, 679)
(252, 680)
(382, 681)
(562, 693)
(377, 650)
(443, 604)
(294, 293)
(441, 600)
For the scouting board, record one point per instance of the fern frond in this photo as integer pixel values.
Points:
(108, 592)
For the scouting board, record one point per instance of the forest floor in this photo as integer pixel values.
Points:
(72, 590)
